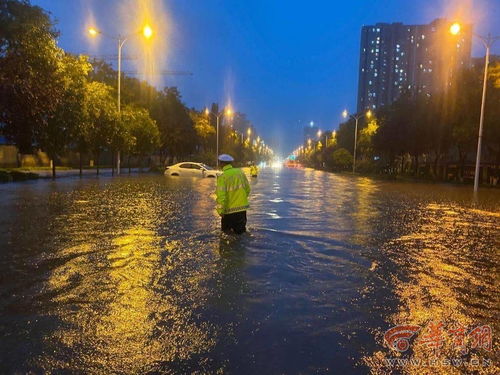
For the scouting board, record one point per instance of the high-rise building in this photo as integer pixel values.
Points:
(420, 58)
(310, 132)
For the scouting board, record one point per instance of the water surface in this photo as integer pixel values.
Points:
(131, 275)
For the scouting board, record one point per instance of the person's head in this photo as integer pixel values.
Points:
(225, 159)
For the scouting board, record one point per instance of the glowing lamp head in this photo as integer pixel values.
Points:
(455, 28)
(147, 31)
(207, 112)
(345, 113)
(369, 114)
(229, 112)
(249, 131)
(92, 31)
(319, 133)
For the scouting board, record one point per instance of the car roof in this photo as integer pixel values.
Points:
(187, 162)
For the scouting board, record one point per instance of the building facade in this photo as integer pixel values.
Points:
(395, 58)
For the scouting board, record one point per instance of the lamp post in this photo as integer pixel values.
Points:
(345, 114)
(488, 42)
(228, 112)
(147, 32)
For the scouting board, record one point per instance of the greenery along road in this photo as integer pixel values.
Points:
(418, 129)
(54, 101)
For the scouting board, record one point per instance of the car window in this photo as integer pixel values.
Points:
(185, 165)
(207, 167)
(196, 166)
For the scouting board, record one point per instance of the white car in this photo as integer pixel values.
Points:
(190, 169)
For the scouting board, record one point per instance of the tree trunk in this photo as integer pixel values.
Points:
(462, 156)
(53, 168)
(435, 171)
(129, 169)
(97, 161)
(80, 154)
(112, 163)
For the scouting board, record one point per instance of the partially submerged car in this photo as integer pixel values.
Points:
(191, 169)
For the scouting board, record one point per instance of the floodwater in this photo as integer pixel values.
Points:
(131, 275)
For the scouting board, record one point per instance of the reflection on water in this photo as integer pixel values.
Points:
(449, 274)
(131, 274)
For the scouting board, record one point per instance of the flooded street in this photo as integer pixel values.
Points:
(131, 275)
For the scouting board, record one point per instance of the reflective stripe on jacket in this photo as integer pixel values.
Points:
(232, 191)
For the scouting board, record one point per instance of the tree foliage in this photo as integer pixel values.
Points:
(30, 88)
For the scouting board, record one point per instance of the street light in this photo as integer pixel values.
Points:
(488, 42)
(345, 114)
(147, 32)
(227, 112)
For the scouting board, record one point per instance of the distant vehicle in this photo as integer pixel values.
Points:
(190, 169)
(292, 164)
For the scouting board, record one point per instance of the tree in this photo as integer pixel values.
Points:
(30, 90)
(177, 134)
(342, 159)
(69, 114)
(204, 129)
(143, 134)
(102, 117)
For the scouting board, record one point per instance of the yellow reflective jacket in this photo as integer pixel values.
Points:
(254, 170)
(232, 191)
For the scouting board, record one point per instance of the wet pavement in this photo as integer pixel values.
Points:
(130, 275)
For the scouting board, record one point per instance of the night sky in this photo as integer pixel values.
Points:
(282, 62)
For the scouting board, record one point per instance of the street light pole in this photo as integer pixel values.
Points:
(147, 32)
(355, 145)
(488, 43)
(121, 42)
(226, 111)
(217, 135)
(356, 118)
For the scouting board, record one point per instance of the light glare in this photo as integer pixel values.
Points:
(147, 31)
(455, 28)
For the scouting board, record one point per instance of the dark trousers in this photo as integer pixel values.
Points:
(236, 222)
